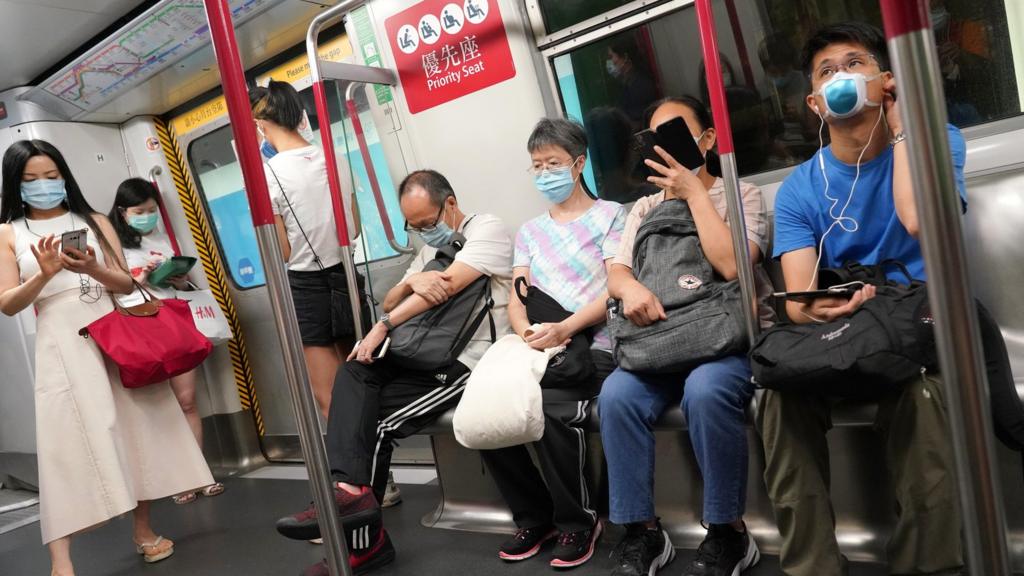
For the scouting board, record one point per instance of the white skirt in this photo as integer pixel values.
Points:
(102, 448)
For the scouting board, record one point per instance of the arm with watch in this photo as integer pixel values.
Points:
(902, 184)
(458, 276)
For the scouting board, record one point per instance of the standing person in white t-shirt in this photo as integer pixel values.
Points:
(134, 217)
(297, 178)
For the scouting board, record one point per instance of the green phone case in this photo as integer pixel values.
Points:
(175, 266)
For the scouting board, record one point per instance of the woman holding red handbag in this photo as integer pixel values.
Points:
(123, 448)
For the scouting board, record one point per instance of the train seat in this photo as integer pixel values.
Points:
(861, 496)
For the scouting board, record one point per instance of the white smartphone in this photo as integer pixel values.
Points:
(381, 350)
(76, 239)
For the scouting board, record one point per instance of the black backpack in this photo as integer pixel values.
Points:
(571, 368)
(705, 315)
(435, 338)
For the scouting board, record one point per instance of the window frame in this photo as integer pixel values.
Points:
(628, 17)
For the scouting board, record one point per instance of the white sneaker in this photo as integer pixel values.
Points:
(392, 495)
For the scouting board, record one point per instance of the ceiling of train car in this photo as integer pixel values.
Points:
(36, 34)
(263, 37)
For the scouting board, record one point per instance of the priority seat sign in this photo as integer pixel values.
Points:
(445, 50)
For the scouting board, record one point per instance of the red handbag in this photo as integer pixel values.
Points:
(151, 342)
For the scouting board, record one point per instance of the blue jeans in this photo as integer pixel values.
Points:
(714, 403)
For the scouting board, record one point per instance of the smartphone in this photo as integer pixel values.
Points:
(674, 136)
(74, 239)
(808, 295)
(381, 350)
(174, 266)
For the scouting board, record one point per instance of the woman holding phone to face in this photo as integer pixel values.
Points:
(123, 448)
(134, 217)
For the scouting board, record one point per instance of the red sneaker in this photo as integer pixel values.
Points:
(354, 510)
(364, 560)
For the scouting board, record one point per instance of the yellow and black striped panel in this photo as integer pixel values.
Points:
(215, 275)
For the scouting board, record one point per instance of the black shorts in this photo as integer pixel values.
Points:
(322, 305)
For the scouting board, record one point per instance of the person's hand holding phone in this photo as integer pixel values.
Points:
(674, 178)
(827, 309)
(80, 262)
(47, 253)
(364, 350)
(179, 282)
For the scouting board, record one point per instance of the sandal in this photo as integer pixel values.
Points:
(156, 550)
(186, 498)
(215, 489)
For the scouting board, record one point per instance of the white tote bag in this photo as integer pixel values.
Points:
(502, 404)
(209, 318)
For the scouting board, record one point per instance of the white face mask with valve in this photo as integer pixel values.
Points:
(846, 94)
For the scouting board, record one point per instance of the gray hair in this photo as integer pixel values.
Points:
(565, 134)
(436, 185)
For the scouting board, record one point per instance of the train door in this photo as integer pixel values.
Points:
(372, 160)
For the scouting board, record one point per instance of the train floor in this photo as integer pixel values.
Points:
(233, 535)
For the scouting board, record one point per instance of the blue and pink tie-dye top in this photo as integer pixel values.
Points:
(567, 260)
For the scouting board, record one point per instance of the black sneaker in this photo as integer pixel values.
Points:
(724, 552)
(354, 511)
(526, 543)
(642, 552)
(575, 548)
(362, 561)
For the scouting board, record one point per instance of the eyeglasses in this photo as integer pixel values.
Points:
(549, 166)
(853, 63)
(432, 227)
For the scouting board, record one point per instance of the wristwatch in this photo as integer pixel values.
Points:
(386, 321)
(897, 138)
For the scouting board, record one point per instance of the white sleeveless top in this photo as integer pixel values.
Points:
(29, 232)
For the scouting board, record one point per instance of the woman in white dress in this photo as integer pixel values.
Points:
(103, 450)
(134, 217)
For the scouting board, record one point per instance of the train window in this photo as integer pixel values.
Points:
(213, 159)
(609, 83)
(374, 242)
(561, 14)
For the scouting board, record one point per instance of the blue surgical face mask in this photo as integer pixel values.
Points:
(143, 223)
(266, 149)
(556, 185)
(846, 94)
(439, 236)
(43, 194)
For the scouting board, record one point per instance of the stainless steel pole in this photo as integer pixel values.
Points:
(730, 173)
(923, 110)
(307, 414)
(330, 158)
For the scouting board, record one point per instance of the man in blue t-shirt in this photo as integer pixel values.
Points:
(854, 201)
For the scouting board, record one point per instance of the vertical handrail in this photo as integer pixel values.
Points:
(923, 109)
(371, 172)
(307, 415)
(730, 172)
(330, 158)
(164, 217)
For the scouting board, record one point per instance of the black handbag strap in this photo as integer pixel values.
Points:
(316, 257)
(485, 311)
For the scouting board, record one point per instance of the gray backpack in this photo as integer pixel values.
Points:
(705, 315)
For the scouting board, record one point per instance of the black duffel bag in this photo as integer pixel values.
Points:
(434, 339)
(572, 367)
(885, 342)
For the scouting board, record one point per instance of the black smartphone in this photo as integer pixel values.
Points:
(808, 295)
(76, 239)
(674, 136)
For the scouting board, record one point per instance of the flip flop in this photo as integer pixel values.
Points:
(215, 489)
(157, 552)
(186, 498)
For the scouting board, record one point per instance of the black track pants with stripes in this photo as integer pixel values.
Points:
(561, 497)
(375, 404)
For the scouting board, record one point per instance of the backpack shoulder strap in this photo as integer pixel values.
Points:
(485, 311)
